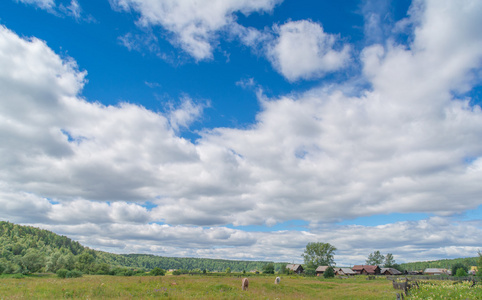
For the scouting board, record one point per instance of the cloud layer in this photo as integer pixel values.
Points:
(407, 144)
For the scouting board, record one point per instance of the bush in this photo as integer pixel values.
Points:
(461, 272)
(73, 274)
(329, 273)
(176, 272)
(157, 272)
(62, 273)
(309, 272)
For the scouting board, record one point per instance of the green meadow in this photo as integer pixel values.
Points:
(193, 287)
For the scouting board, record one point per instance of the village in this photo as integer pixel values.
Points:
(373, 270)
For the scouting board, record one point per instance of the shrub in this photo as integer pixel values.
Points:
(176, 272)
(62, 273)
(73, 274)
(461, 272)
(157, 272)
(329, 273)
(310, 272)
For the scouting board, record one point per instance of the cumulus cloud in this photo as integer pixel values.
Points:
(405, 145)
(303, 50)
(194, 25)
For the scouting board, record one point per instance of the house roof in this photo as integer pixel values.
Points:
(347, 271)
(392, 271)
(367, 268)
(434, 270)
(322, 268)
(293, 267)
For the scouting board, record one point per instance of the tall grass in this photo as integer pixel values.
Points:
(193, 287)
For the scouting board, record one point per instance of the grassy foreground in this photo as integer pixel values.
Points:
(193, 287)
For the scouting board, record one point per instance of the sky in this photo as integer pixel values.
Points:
(245, 129)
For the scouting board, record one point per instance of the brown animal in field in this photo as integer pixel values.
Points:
(245, 284)
(277, 280)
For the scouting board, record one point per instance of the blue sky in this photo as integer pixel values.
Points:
(187, 128)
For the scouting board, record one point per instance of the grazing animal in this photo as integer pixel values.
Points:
(277, 280)
(244, 284)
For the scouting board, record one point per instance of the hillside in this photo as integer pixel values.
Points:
(443, 263)
(26, 249)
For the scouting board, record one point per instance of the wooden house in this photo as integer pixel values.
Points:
(298, 269)
(366, 270)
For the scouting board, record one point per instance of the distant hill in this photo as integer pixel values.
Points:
(26, 249)
(443, 263)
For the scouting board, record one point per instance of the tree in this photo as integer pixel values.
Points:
(460, 272)
(318, 254)
(457, 266)
(375, 259)
(33, 261)
(329, 273)
(389, 261)
(268, 268)
(228, 270)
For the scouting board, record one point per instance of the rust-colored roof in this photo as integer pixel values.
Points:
(369, 269)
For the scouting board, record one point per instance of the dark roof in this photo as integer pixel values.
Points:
(346, 271)
(369, 269)
(293, 267)
(391, 271)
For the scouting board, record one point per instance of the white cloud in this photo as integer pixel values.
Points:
(193, 24)
(304, 50)
(406, 145)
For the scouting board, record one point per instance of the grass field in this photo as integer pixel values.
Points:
(193, 287)
(222, 287)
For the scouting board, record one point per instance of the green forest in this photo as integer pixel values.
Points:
(26, 249)
(442, 264)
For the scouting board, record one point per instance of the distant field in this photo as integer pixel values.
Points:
(193, 287)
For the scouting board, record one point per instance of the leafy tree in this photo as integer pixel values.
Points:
(457, 266)
(461, 272)
(228, 270)
(268, 268)
(389, 261)
(319, 254)
(85, 262)
(375, 259)
(32, 261)
(329, 273)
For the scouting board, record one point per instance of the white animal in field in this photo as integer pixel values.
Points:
(245, 284)
(277, 280)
